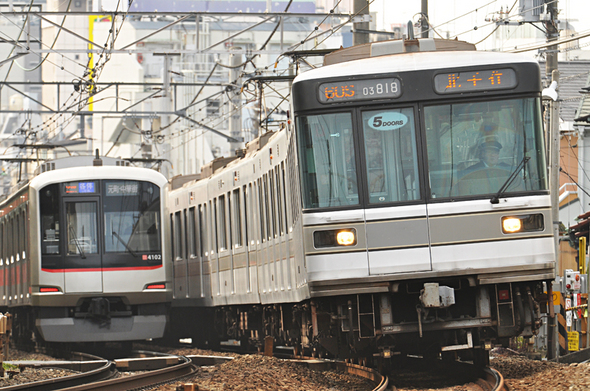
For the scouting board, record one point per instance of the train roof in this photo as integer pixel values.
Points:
(412, 61)
(98, 172)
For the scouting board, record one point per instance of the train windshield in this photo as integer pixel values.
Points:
(392, 159)
(482, 148)
(132, 217)
(328, 160)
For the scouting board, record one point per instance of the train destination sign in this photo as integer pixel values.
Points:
(457, 82)
(360, 90)
(79, 187)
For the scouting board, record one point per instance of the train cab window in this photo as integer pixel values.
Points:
(131, 217)
(391, 155)
(473, 148)
(81, 228)
(49, 211)
(327, 157)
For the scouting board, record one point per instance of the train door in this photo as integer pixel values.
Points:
(83, 263)
(396, 220)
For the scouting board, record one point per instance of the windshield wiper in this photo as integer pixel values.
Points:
(73, 233)
(124, 244)
(496, 198)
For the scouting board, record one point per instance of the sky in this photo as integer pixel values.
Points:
(468, 14)
(458, 18)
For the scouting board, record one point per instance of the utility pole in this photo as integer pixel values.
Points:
(235, 119)
(552, 74)
(361, 9)
(424, 19)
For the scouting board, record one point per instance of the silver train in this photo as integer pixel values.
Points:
(82, 253)
(405, 210)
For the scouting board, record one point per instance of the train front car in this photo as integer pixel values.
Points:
(99, 271)
(426, 221)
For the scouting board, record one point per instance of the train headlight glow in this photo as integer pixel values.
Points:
(511, 224)
(523, 223)
(345, 238)
(334, 238)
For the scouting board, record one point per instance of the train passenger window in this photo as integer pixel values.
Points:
(222, 226)
(81, 228)
(172, 236)
(261, 210)
(473, 148)
(237, 218)
(49, 212)
(212, 226)
(185, 236)
(202, 213)
(273, 203)
(192, 232)
(267, 203)
(281, 230)
(177, 236)
(285, 204)
(327, 157)
(392, 159)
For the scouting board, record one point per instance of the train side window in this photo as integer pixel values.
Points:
(50, 224)
(281, 228)
(266, 201)
(230, 220)
(202, 213)
(222, 224)
(246, 215)
(286, 205)
(192, 232)
(273, 203)
(173, 235)
(185, 236)
(237, 218)
(212, 226)
(18, 236)
(261, 211)
(177, 236)
(25, 229)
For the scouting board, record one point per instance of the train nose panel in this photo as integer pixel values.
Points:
(398, 240)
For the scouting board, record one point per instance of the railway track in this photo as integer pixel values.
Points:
(418, 373)
(100, 374)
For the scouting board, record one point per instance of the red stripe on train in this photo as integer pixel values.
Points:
(100, 269)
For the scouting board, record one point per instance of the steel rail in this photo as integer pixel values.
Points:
(185, 368)
(105, 371)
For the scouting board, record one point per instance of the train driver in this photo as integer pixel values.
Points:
(488, 152)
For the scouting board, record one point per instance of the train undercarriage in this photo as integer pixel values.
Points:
(451, 319)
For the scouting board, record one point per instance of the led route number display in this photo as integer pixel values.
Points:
(79, 187)
(360, 90)
(457, 82)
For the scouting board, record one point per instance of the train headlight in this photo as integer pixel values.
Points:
(345, 238)
(334, 238)
(523, 223)
(511, 224)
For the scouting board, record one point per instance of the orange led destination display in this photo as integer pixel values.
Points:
(360, 90)
(457, 82)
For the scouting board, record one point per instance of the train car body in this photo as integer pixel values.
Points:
(83, 253)
(405, 210)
